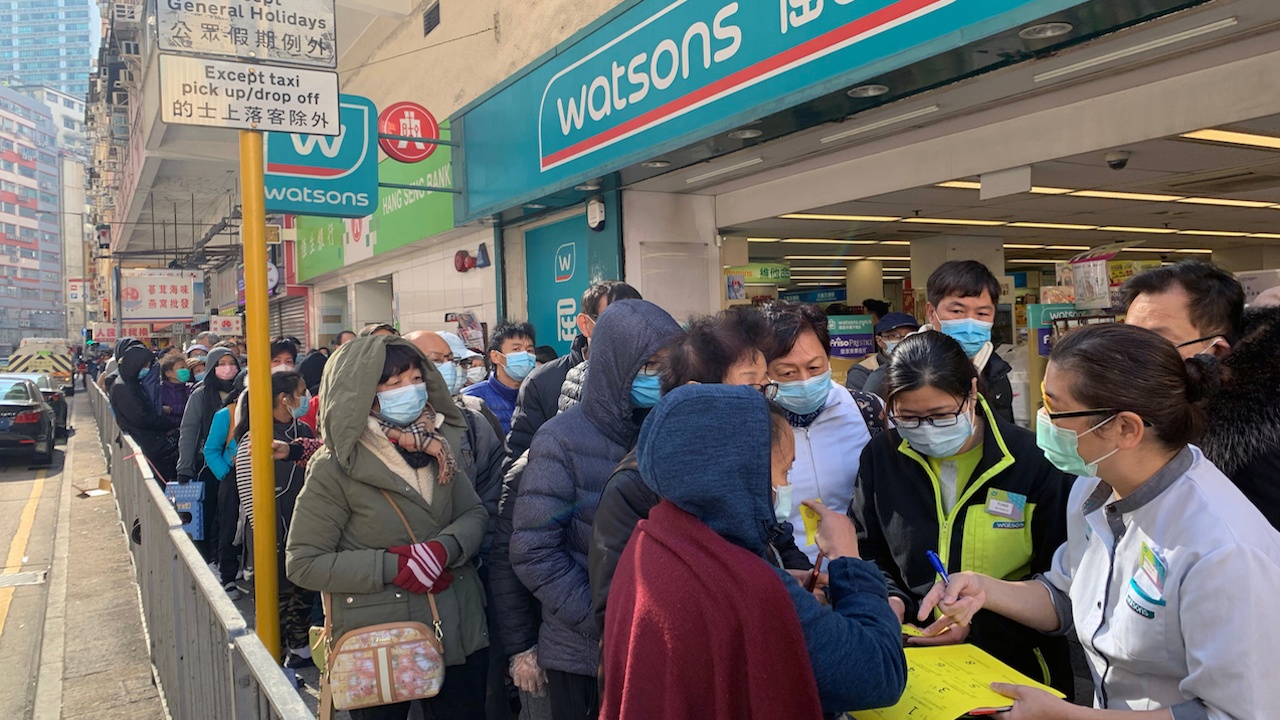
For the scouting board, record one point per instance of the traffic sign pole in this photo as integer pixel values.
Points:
(254, 232)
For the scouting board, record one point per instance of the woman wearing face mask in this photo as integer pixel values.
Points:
(137, 415)
(1166, 565)
(205, 401)
(347, 537)
(699, 596)
(292, 447)
(955, 479)
(175, 388)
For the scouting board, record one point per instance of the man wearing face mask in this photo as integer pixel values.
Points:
(511, 355)
(829, 425)
(890, 330)
(962, 297)
(572, 457)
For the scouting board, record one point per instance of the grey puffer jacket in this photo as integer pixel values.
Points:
(574, 382)
(571, 459)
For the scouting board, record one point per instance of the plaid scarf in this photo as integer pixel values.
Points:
(421, 441)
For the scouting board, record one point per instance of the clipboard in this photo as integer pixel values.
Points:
(949, 682)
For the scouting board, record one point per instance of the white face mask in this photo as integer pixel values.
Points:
(477, 374)
(782, 503)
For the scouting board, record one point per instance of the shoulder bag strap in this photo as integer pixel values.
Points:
(431, 599)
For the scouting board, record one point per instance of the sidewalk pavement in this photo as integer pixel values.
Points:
(95, 661)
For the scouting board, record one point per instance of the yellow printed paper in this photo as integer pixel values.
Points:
(911, 630)
(810, 519)
(948, 681)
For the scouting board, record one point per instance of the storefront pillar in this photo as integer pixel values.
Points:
(864, 279)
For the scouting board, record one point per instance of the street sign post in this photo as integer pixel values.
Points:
(408, 119)
(247, 96)
(301, 32)
(327, 176)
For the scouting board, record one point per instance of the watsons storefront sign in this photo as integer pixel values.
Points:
(655, 75)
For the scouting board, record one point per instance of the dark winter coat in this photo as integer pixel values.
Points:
(138, 417)
(1242, 436)
(483, 455)
(539, 398)
(575, 382)
(570, 461)
(205, 401)
(626, 500)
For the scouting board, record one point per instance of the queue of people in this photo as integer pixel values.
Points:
(698, 521)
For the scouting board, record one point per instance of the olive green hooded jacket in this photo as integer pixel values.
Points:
(343, 524)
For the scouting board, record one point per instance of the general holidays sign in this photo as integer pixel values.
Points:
(248, 96)
(301, 32)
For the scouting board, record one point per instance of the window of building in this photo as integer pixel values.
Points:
(28, 274)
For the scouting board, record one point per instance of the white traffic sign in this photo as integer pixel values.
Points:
(248, 96)
(291, 31)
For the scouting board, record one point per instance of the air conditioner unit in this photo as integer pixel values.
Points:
(130, 48)
(125, 78)
(120, 97)
(126, 12)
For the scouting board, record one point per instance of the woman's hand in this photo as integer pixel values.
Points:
(279, 450)
(948, 634)
(836, 536)
(1034, 704)
(959, 600)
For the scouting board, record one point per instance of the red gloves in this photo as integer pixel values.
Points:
(422, 567)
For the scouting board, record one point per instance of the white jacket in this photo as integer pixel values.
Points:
(827, 455)
(1173, 590)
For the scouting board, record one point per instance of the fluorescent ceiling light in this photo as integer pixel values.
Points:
(724, 170)
(829, 268)
(1021, 246)
(1066, 247)
(841, 218)
(1112, 195)
(1141, 230)
(824, 257)
(953, 221)
(814, 284)
(1148, 249)
(1051, 226)
(1138, 49)
(827, 241)
(887, 257)
(1195, 251)
(1040, 190)
(1031, 262)
(869, 127)
(895, 242)
(1213, 233)
(1235, 138)
(961, 185)
(1227, 203)
(762, 240)
(1265, 236)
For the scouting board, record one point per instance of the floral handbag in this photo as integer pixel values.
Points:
(382, 664)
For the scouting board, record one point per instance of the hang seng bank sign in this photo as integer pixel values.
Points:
(655, 75)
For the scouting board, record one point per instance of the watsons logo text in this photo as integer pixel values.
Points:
(311, 195)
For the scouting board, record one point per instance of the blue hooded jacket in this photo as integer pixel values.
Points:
(706, 449)
(572, 457)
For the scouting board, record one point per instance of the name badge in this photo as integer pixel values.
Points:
(1005, 504)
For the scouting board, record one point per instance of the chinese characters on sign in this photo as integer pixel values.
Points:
(218, 93)
(259, 29)
(157, 295)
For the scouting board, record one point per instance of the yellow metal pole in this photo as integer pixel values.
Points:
(253, 232)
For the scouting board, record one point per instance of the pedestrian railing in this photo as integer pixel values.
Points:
(206, 660)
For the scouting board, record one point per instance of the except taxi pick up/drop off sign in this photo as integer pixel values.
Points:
(300, 32)
(248, 96)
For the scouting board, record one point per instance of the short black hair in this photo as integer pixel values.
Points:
(789, 320)
(545, 353)
(929, 359)
(779, 425)
(879, 308)
(508, 330)
(610, 290)
(400, 358)
(713, 344)
(1216, 298)
(338, 337)
(280, 345)
(962, 278)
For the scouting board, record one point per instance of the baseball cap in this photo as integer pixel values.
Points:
(895, 320)
(196, 346)
(456, 346)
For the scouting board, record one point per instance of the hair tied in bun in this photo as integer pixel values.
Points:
(1203, 376)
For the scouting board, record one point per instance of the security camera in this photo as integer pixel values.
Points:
(1118, 160)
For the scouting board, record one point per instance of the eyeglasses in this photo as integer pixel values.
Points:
(1206, 338)
(769, 390)
(1048, 409)
(650, 368)
(911, 422)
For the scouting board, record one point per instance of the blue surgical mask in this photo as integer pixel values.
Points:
(782, 503)
(889, 345)
(144, 372)
(300, 410)
(519, 365)
(200, 375)
(971, 333)
(404, 404)
(939, 442)
(645, 391)
(805, 396)
(1061, 446)
(449, 371)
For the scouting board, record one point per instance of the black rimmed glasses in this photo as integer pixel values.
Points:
(911, 422)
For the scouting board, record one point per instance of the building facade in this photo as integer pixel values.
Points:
(46, 42)
(31, 270)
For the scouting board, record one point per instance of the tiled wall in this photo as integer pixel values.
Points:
(428, 287)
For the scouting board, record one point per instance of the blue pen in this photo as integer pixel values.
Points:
(937, 565)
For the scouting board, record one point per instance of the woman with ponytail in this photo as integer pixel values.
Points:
(1169, 572)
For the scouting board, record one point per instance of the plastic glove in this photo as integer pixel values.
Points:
(526, 674)
(422, 567)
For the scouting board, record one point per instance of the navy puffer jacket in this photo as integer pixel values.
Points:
(572, 457)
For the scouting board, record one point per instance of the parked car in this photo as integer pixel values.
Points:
(27, 424)
(53, 394)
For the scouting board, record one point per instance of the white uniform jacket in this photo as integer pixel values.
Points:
(1173, 592)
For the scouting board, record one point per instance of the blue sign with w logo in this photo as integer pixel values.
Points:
(334, 176)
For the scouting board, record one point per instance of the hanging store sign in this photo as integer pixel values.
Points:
(157, 295)
(226, 325)
(408, 119)
(301, 32)
(248, 96)
(851, 336)
(329, 176)
(657, 75)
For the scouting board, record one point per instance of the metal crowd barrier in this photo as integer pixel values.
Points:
(207, 662)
